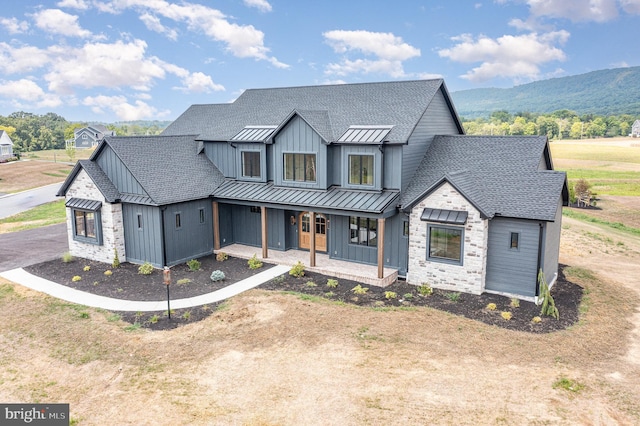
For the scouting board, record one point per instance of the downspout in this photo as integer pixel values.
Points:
(539, 260)
(164, 245)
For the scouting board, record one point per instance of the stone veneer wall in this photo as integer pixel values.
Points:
(468, 277)
(112, 226)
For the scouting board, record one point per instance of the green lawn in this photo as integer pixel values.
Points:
(608, 182)
(600, 152)
(42, 215)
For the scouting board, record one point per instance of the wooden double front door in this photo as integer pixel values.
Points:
(304, 231)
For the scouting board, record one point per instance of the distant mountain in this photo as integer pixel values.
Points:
(604, 92)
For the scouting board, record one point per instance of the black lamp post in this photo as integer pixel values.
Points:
(166, 274)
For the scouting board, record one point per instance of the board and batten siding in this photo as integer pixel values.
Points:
(144, 243)
(551, 245)
(298, 137)
(252, 147)
(396, 245)
(193, 238)
(340, 247)
(225, 217)
(392, 166)
(436, 120)
(118, 173)
(348, 150)
(223, 155)
(512, 271)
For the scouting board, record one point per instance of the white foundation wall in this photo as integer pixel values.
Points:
(468, 277)
(111, 220)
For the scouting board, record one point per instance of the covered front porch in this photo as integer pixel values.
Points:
(366, 274)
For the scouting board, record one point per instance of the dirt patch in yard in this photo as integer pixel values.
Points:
(22, 175)
(126, 283)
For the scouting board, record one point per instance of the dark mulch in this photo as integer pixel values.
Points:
(126, 283)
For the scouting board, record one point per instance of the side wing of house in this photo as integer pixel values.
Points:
(85, 138)
(6, 145)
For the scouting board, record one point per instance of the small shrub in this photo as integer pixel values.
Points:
(222, 256)
(154, 319)
(254, 262)
(425, 290)
(108, 272)
(515, 302)
(217, 275)
(407, 296)
(87, 268)
(186, 316)
(329, 294)
(183, 281)
(331, 283)
(297, 270)
(76, 278)
(548, 304)
(116, 260)
(311, 284)
(454, 297)
(145, 269)
(506, 315)
(67, 257)
(390, 295)
(279, 279)
(194, 265)
(492, 306)
(359, 289)
(84, 315)
(536, 320)
(568, 384)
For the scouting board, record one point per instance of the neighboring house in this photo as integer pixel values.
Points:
(6, 146)
(90, 136)
(374, 173)
(635, 129)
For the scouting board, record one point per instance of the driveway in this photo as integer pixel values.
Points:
(15, 203)
(19, 249)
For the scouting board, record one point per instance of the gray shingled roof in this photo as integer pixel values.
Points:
(335, 198)
(167, 167)
(331, 109)
(105, 186)
(499, 175)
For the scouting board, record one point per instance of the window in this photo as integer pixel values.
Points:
(300, 167)
(361, 170)
(139, 215)
(405, 228)
(251, 164)
(363, 231)
(84, 136)
(178, 221)
(445, 244)
(86, 226)
(515, 240)
(202, 217)
(255, 209)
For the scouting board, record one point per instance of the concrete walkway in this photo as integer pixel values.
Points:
(22, 277)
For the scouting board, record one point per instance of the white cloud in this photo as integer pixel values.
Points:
(73, 4)
(198, 82)
(263, 5)
(575, 10)
(21, 59)
(515, 57)
(631, 6)
(242, 41)
(122, 108)
(56, 21)
(389, 52)
(24, 90)
(14, 26)
(153, 24)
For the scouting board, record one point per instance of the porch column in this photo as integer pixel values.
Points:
(381, 248)
(216, 226)
(312, 239)
(265, 243)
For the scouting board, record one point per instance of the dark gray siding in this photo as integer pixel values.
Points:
(271, 166)
(334, 157)
(276, 229)
(512, 270)
(291, 229)
(246, 226)
(225, 214)
(192, 239)
(437, 120)
(362, 150)
(118, 173)
(551, 245)
(84, 143)
(392, 159)
(340, 246)
(396, 245)
(254, 147)
(298, 137)
(223, 156)
(143, 244)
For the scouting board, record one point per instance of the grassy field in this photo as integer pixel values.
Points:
(22, 175)
(57, 155)
(43, 215)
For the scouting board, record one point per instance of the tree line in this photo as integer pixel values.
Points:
(33, 132)
(561, 124)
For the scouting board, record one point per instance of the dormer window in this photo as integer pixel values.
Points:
(300, 167)
(251, 164)
(361, 170)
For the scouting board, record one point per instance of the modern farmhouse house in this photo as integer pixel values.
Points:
(375, 173)
(90, 136)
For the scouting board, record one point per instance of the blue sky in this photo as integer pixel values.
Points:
(118, 60)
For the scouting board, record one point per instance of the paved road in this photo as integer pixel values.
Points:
(15, 203)
(18, 249)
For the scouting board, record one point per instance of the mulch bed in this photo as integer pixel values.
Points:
(126, 283)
